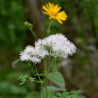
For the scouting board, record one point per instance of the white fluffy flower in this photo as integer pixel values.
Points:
(26, 54)
(54, 45)
(35, 59)
(33, 54)
(58, 45)
(39, 52)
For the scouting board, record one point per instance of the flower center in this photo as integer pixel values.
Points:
(53, 13)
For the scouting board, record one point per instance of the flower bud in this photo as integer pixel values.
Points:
(27, 24)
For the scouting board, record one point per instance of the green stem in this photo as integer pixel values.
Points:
(45, 80)
(50, 24)
(55, 62)
(38, 74)
(48, 69)
(40, 81)
(29, 65)
(45, 65)
(48, 93)
(33, 33)
(42, 90)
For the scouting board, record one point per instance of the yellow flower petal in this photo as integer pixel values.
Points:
(45, 8)
(54, 12)
(59, 21)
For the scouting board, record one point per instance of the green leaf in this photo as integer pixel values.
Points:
(54, 96)
(31, 79)
(66, 94)
(75, 94)
(57, 78)
(59, 94)
(53, 89)
(42, 74)
(23, 79)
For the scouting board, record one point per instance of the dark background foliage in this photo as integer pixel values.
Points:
(81, 28)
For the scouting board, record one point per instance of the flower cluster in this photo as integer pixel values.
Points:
(54, 45)
(33, 54)
(57, 45)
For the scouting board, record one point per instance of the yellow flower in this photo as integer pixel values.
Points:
(54, 12)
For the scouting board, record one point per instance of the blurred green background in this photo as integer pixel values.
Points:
(81, 28)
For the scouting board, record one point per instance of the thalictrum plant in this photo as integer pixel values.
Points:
(50, 50)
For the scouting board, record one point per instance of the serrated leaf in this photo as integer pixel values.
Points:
(57, 78)
(31, 79)
(76, 92)
(21, 83)
(23, 79)
(42, 74)
(58, 94)
(66, 94)
(73, 96)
